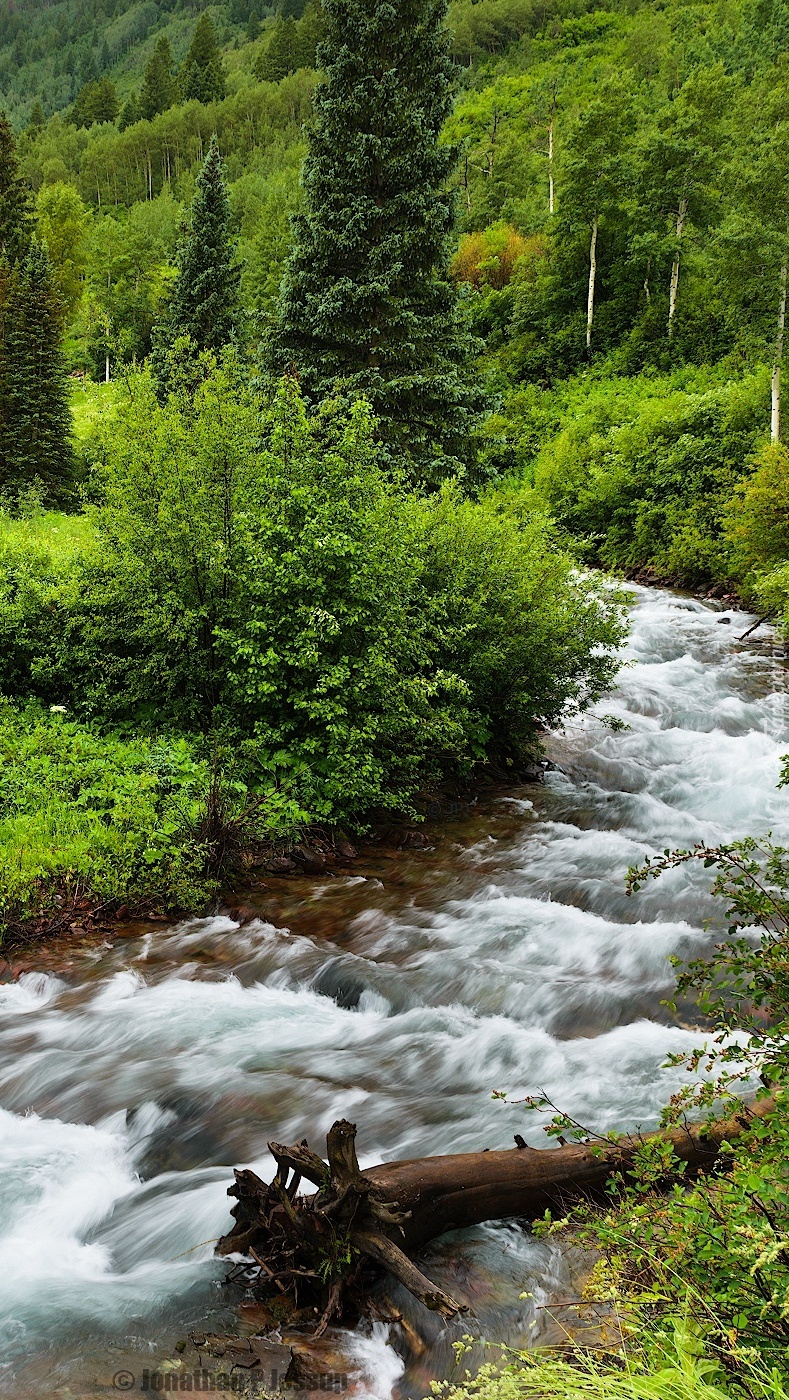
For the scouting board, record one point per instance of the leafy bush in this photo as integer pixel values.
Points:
(758, 517)
(492, 256)
(644, 469)
(257, 574)
(526, 633)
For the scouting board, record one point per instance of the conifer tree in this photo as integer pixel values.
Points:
(158, 86)
(35, 418)
(36, 119)
(15, 217)
(202, 79)
(281, 57)
(204, 305)
(366, 298)
(35, 422)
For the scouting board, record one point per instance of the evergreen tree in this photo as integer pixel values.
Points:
(158, 86)
(36, 119)
(367, 298)
(281, 56)
(204, 305)
(35, 418)
(202, 79)
(35, 422)
(15, 217)
(95, 102)
(130, 113)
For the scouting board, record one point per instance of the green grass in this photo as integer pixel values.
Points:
(676, 1369)
(85, 814)
(58, 535)
(88, 402)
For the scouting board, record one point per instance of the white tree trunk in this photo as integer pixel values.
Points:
(672, 291)
(775, 388)
(550, 168)
(107, 368)
(592, 276)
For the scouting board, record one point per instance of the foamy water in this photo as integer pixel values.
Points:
(130, 1092)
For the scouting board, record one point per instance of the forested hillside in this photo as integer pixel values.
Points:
(622, 177)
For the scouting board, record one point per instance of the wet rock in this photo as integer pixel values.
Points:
(726, 620)
(310, 860)
(340, 985)
(406, 839)
(282, 865)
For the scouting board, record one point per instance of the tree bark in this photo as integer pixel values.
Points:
(592, 276)
(313, 1251)
(550, 167)
(775, 386)
(674, 285)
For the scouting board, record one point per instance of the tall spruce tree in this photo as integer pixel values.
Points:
(158, 85)
(35, 421)
(16, 227)
(202, 78)
(366, 298)
(35, 417)
(204, 305)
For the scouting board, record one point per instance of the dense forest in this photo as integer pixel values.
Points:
(344, 346)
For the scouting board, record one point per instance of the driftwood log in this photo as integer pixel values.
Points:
(312, 1254)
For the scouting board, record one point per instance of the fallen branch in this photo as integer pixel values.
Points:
(756, 624)
(317, 1251)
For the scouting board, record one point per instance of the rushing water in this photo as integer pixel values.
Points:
(134, 1075)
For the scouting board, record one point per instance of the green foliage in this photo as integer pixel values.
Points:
(203, 307)
(62, 222)
(366, 299)
(89, 815)
(254, 572)
(675, 1368)
(202, 78)
(644, 469)
(509, 619)
(758, 519)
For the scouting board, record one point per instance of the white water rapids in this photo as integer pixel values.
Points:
(134, 1078)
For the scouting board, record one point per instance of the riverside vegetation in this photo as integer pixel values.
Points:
(317, 542)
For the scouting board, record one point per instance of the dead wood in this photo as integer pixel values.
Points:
(316, 1254)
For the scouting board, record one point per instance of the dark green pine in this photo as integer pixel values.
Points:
(35, 418)
(204, 304)
(282, 55)
(202, 78)
(16, 228)
(158, 86)
(367, 298)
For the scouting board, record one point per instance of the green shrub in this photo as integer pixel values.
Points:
(758, 517)
(643, 470)
(254, 572)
